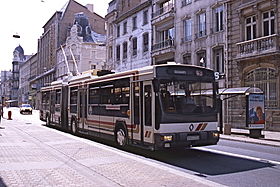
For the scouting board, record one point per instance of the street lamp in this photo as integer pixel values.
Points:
(16, 36)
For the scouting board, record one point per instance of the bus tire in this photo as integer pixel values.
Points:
(74, 126)
(121, 136)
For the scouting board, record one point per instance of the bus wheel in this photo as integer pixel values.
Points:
(74, 126)
(121, 136)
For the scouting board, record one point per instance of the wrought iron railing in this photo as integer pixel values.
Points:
(163, 44)
(163, 10)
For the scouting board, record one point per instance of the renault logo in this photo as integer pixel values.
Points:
(191, 127)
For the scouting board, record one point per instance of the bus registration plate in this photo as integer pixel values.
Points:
(192, 137)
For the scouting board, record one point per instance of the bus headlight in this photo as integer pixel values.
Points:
(167, 138)
(215, 134)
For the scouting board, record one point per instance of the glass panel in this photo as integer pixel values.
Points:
(265, 79)
(266, 28)
(186, 97)
(148, 105)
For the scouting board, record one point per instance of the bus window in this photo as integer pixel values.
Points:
(57, 100)
(94, 95)
(45, 100)
(93, 100)
(182, 97)
(73, 99)
(106, 94)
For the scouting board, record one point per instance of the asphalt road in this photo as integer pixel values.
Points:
(230, 163)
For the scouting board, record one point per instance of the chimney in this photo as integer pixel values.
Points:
(90, 7)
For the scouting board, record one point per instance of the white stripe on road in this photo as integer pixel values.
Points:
(141, 159)
(237, 155)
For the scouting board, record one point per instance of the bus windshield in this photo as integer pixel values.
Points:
(186, 99)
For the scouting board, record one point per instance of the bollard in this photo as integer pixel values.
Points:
(9, 115)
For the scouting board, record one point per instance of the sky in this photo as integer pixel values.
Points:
(26, 19)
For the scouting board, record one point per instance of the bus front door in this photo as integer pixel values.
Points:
(147, 113)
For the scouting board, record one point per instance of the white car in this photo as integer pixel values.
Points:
(25, 108)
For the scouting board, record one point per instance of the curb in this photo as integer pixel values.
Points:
(273, 143)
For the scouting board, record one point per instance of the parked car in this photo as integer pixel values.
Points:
(25, 108)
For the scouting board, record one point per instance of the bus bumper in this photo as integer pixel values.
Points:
(189, 139)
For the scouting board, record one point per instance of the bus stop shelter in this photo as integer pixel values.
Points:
(255, 115)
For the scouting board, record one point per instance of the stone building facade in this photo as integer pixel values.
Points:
(33, 91)
(129, 34)
(254, 55)
(56, 30)
(6, 85)
(201, 35)
(24, 82)
(163, 31)
(18, 59)
(84, 49)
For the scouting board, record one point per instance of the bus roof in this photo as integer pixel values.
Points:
(90, 76)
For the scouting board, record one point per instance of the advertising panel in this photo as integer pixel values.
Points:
(255, 111)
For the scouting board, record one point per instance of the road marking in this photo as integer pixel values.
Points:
(237, 155)
(142, 159)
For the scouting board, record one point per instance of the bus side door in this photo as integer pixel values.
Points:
(147, 112)
(82, 112)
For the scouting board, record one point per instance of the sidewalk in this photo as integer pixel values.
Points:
(35, 155)
(269, 137)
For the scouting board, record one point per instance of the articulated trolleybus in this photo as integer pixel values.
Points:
(156, 107)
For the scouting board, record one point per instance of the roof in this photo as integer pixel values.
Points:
(239, 91)
(19, 49)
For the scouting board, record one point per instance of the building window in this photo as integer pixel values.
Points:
(118, 52)
(187, 58)
(118, 30)
(251, 28)
(124, 50)
(145, 42)
(201, 58)
(219, 17)
(201, 24)
(134, 23)
(110, 29)
(186, 2)
(266, 80)
(168, 34)
(187, 30)
(134, 46)
(268, 23)
(124, 27)
(219, 65)
(145, 17)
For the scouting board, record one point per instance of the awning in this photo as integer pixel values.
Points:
(232, 91)
(239, 91)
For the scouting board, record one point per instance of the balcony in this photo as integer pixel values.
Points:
(163, 14)
(260, 46)
(163, 47)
